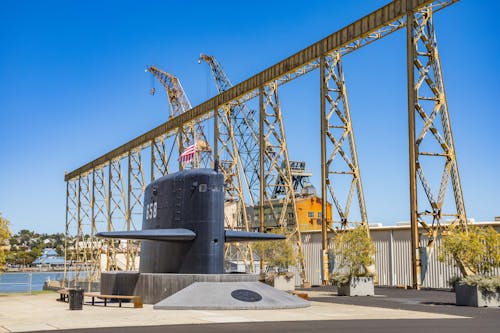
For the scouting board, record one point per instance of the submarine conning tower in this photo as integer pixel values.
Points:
(190, 199)
(183, 225)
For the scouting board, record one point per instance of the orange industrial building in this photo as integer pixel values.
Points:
(308, 214)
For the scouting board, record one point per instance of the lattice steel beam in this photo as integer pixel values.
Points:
(431, 129)
(339, 141)
(117, 211)
(275, 172)
(71, 229)
(135, 195)
(228, 155)
(159, 160)
(85, 255)
(339, 160)
(99, 218)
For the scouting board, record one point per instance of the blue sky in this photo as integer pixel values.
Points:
(72, 87)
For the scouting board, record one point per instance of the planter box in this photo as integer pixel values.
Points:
(474, 296)
(282, 283)
(358, 286)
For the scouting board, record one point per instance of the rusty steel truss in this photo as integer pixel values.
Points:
(99, 197)
(430, 139)
(246, 132)
(246, 140)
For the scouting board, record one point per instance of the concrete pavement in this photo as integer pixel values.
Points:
(42, 312)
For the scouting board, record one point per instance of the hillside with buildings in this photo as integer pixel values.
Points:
(24, 247)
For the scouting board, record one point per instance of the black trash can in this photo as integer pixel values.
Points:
(75, 298)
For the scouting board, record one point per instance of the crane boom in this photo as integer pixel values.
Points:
(246, 130)
(191, 133)
(177, 98)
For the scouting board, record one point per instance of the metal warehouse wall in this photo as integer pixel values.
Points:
(392, 260)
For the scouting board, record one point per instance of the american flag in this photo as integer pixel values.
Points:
(188, 154)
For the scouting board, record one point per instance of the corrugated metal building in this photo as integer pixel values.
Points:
(392, 260)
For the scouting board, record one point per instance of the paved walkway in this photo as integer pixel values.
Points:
(42, 312)
(432, 301)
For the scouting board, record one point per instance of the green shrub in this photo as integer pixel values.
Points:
(488, 283)
(270, 276)
(339, 278)
(475, 250)
(4, 236)
(354, 252)
(277, 253)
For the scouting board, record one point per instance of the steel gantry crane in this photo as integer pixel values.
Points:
(225, 153)
(191, 133)
(246, 131)
(273, 170)
(96, 191)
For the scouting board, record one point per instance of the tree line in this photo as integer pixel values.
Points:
(23, 247)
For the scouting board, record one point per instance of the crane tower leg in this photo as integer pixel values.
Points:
(230, 165)
(276, 172)
(136, 187)
(430, 141)
(99, 214)
(339, 160)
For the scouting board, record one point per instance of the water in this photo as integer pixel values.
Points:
(20, 281)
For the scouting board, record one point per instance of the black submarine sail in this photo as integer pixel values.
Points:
(183, 225)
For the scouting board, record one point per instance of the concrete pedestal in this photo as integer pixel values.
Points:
(154, 287)
(230, 296)
(118, 283)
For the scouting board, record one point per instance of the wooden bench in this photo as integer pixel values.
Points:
(137, 299)
(63, 295)
(302, 295)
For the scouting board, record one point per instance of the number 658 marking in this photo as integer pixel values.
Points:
(151, 210)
